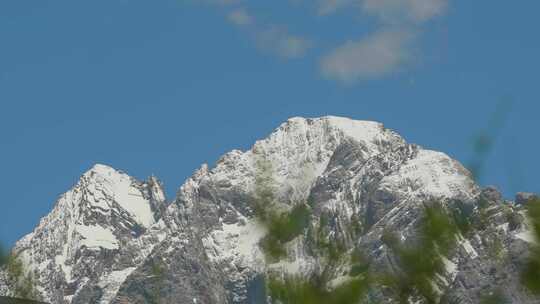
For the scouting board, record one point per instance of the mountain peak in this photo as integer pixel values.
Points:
(332, 127)
(102, 170)
(105, 187)
(100, 241)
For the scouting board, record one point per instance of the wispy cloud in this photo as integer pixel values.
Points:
(222, 2)
(385, 51)
(271, 39)
(390, 48)
(401, 11)
(330, 6)
(373, 57)
(240, 17)
(392, 11)
(280, 42)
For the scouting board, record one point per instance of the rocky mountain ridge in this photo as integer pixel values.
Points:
(113, 239)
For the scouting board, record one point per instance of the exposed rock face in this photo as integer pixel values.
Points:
(97, 233)
(112, 239)
(524, 197)
(8, 300)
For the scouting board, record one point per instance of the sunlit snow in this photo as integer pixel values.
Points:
(96, 237)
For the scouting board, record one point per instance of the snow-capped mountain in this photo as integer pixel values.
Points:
(113, 239)
(87, 240)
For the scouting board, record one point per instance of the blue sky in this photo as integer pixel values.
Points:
(160, 87)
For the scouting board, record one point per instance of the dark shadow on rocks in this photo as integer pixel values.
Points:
(6, 300)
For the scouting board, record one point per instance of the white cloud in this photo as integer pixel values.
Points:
(381, 53)
(426, 9)
(222, 2)
(281, 43)
(240, 17)
(385, 51)
(398, 11)
(390, 11)
(373, 57)
(268, 38)
(330, 6)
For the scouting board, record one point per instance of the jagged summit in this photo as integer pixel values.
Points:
(105, 238)
(108, 188)
(102, 169)
(125, 189)
(357, 129)
(89, 228)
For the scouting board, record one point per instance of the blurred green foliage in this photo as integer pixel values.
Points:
(360, 263)
(264, 200)
(153, 296)
(419, 264)
(318, 287)
(462, 214)
(494, 298)
(157, 270)
(285, 226)
(22, 283)
(282, 228)
(329, 248)
(494, 246)
(530, 275)
(513, 218)
(3, 256)
(484, 142)
(295, 290)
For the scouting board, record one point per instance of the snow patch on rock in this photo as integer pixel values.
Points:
(433, 174)
(527, 236)
(236, 243)
(111, 283)
(95, 237)
(121, 188)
